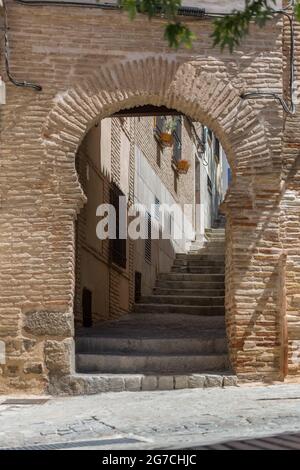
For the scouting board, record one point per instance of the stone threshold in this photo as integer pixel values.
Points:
(88, 384)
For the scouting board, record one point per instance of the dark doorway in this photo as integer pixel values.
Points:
(87, 320)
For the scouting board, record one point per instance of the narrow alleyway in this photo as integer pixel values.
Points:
(176, 336)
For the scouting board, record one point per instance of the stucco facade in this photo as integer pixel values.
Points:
(126, 153)
(92, 63)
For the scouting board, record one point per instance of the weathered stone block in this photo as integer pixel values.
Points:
(116, 384)
(59, 356)
(133, 384)
(181, 381)
(196, 381)
(230, 381)
(29, 344)
(149, 383)
(33, 368)
(165, 383)
(49, 324)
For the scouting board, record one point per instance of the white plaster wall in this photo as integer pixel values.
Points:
(148, 186)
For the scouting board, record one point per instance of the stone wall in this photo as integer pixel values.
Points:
(92, 63)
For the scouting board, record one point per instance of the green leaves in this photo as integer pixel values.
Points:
(297, 10)
(230, 30)
(130, 6)
(176, 33)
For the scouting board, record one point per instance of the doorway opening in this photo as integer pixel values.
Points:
(151, 304)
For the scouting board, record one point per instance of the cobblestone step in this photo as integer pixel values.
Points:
(150, 363)
(153, 342)
(203, 250)
(164, 324)
(198, 262)
(203, 255)
(182, 309)
(88, 384)
(204, 277)
(189, 284)
(203, 291)
(198, 269)
(182, 300)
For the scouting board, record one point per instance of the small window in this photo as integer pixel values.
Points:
(118, 245)
(157, 207)
(217, 150)
(171, 225)
(87, 318)
(159, 124)
(177, 147)
(148, 241)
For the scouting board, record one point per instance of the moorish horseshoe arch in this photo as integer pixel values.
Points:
(186, 87)
(158, 81)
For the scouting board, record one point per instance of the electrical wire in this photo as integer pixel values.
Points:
(288, 108)
(16, 82)
(197, 13)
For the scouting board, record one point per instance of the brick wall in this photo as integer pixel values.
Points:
(91, 63)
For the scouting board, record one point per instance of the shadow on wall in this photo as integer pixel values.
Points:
(267, 249)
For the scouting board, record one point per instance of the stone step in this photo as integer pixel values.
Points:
(207, 249)
(200, 251)
(188, 284)
(191, 261)
(204, 291)
(181, 300)
(215, 236)
(181, 309)
(88, 384)
(205, 258)
(198, 269)
(164, 324)
(212, 237)
(208, 342)
(155, 363)
(191, 277)
(215, 229)
(208, 246)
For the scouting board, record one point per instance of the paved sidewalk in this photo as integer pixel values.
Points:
(149, 420)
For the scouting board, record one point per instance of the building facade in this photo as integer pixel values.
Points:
(88, 63)
(126, 156)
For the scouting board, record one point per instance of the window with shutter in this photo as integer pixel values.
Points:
(177, 140)
(118, 245)
(148, 242)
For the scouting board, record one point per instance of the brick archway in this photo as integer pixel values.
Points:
(158, 81)
(213, 101)
(205, 98)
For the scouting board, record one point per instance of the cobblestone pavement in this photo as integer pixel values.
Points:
(149, 420)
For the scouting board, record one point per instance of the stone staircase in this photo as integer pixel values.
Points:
(175, 338)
